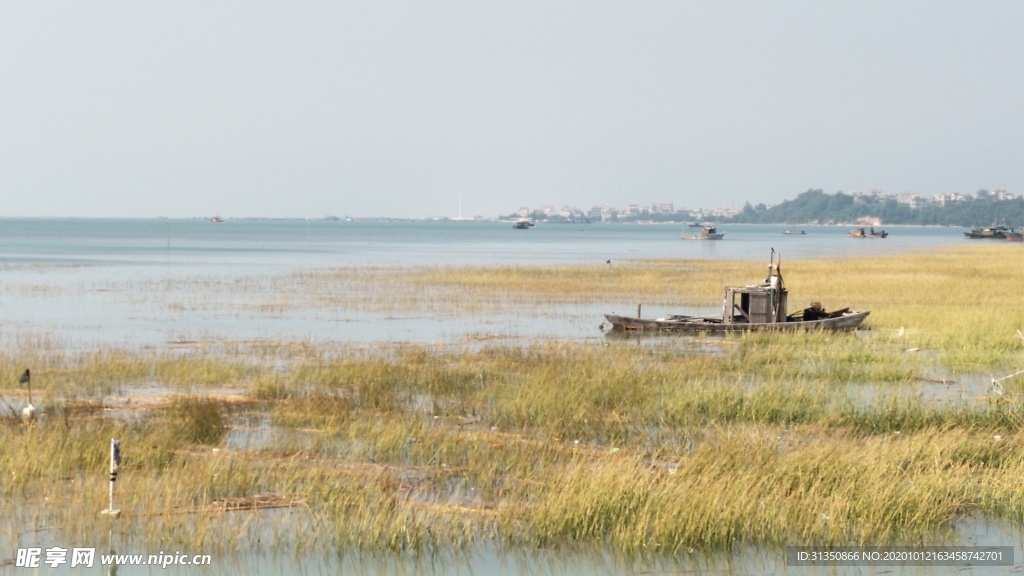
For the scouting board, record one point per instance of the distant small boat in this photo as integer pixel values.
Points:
(791, 232)
(862, 233)
(1013, 236)
(216, 219)
(706, 233)
(990, 233)
(523, 224)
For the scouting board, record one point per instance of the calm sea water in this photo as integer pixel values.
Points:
(270, 244)
(92, 282)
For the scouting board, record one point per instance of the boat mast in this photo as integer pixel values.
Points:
(775, 285)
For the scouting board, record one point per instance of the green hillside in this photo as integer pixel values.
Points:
(817, 207)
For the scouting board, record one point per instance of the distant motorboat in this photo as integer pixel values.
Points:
(706, 233)
(862, 233)
(991, 233)
(523, 224)
(216, 219)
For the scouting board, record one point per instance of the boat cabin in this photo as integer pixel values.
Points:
(763, 303)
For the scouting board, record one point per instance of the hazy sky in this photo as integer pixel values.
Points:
(407, 109)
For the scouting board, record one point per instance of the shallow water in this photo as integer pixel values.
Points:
(129, 283)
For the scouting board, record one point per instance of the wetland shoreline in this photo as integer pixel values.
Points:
(640, 447)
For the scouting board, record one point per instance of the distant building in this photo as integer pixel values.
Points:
(721, 213)
(917, 202)
(952, 198)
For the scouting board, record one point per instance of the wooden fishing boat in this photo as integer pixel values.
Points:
(844, 319)
(758, 307)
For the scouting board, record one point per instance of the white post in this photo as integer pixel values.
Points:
(115, 461)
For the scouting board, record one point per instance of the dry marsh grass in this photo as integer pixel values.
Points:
(642, 446)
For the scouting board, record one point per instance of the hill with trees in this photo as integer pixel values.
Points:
(817, 207)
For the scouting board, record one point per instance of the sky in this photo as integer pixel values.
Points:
(409, 109)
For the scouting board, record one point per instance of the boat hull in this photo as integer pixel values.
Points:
(985, 235)
(847, 321)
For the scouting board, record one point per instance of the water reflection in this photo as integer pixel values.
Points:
(485, 560)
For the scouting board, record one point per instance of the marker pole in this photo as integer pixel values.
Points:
(115, 461)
